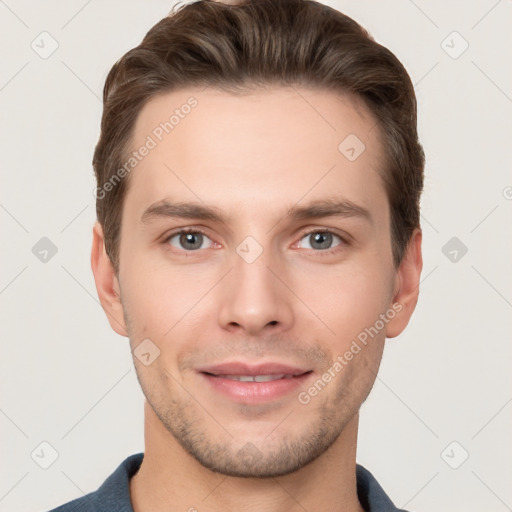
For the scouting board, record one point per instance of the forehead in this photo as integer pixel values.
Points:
(273, 146)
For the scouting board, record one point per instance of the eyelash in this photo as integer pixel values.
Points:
(322, 252)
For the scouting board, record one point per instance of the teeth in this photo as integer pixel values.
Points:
(256, 378)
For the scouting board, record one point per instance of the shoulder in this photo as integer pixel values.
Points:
(114, 493)
(371, 495)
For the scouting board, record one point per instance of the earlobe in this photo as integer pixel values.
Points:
(107, 284)
(407, 287)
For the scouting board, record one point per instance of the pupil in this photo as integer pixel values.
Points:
(323, 240)
(191, 240)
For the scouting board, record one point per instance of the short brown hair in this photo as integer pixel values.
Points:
(237, 46)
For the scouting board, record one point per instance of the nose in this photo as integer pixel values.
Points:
(253, 300)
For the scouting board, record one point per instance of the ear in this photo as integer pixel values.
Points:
(406, 286)
(107, 283)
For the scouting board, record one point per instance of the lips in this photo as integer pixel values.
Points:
(262, 370)
(254, 384)
(256, 378)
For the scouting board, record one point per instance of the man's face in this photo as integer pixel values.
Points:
(257, 285)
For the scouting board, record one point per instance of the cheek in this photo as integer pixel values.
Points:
(347, 299)
(170, 306)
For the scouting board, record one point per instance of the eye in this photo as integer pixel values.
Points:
(320, 240)
(189, 240)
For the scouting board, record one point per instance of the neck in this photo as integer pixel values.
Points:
(170, 479)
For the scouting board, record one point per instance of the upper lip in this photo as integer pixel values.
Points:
(239, 368)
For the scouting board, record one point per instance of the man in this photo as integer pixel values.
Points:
(258, 239)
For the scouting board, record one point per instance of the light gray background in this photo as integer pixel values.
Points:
(68, 380)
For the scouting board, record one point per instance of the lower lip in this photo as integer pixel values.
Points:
(255, 392)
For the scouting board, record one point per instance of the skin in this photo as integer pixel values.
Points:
(253, 157)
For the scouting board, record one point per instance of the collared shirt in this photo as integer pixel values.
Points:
(114, 493)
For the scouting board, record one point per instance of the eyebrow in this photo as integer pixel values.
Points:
(313, 210)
